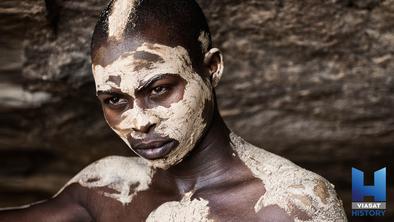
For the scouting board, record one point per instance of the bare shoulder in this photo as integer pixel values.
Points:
(123, 175)
(303, 194)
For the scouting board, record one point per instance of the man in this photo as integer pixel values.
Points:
(155, 72)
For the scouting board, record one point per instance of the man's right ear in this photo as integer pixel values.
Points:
(213, 60)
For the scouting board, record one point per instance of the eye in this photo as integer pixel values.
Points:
(115, 102)
(159, 90)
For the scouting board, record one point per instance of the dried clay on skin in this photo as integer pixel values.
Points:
(121, 14)
(195, 210)
(117, 173)
(289, 186)
(169, 121)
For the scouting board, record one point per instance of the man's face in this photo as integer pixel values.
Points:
(155, 101)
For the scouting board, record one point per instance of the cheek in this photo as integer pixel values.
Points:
(112, 118)
(185, 116)
(174, 122)
(207, 112)
(176, 95)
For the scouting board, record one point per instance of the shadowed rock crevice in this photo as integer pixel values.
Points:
(53, 9)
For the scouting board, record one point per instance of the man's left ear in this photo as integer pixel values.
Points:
(213, 60)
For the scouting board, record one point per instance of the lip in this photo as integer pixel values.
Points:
(154, 149)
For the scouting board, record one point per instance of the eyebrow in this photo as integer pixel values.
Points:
(145, 84)
(111, 91)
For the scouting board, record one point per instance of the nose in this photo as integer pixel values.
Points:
(143, 128)
(138, 121)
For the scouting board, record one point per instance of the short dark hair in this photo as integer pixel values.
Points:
(180, 22)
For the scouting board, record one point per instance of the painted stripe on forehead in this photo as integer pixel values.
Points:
(120, 17)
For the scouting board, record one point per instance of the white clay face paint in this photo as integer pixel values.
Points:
(195, 210)
(288, 185)
(182, 121)
(117, 173)
(121, 14)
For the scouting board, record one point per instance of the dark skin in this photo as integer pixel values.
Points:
(211, 169)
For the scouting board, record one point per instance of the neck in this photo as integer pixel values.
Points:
(207, 162)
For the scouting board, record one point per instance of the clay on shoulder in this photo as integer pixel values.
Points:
(303, 194)
(125, 176)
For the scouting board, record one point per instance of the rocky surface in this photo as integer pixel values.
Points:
(309, 80)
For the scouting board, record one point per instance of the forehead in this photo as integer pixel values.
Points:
(128, 68)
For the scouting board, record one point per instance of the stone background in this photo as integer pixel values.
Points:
(310, 80)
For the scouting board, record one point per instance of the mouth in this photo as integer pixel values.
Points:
(155, 149)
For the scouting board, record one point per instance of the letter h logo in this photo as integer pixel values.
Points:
(378, 190)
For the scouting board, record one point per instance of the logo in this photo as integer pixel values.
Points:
(377, 191)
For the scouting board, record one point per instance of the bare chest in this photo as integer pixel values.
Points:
(222, 204)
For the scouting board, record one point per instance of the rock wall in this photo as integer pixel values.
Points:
(310, 80)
